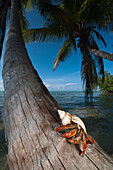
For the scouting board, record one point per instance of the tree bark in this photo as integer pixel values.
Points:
(30, 115)
(103, 54)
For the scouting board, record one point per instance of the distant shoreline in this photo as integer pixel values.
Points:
(108, 92)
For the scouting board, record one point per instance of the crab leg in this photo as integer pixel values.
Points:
(70, 133)
(84, 144)
(91, 141)
(76, 140)
(65, 127)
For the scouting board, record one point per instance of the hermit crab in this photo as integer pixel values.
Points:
(77, 131)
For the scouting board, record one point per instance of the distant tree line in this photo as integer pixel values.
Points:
(107, 86)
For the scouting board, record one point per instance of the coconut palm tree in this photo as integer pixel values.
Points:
(28, 106)
(30, 113)
(69, 21)
(98, 13)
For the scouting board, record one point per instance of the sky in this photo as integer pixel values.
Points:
(66, 77)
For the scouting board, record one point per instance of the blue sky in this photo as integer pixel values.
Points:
(67, 74)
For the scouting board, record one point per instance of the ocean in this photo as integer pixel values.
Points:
(97, 115)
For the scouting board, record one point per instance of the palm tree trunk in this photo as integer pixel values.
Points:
(103, 54)
(30, 114)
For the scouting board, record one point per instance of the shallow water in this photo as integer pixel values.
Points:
(98, 115)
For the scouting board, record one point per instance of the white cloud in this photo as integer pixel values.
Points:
(66, 82)
(70, 84)
(61, 79)
(73, 87)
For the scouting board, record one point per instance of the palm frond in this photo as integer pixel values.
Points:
(52, 12)
(88, 74)
(23, 19)
(99, 37)
(73, 41)
(3, 14)
(29, 3)
(53, 33)
(100, 66)
(64, 51)
(97, 12)
(72, 8)
(45, 7)
(98, 60)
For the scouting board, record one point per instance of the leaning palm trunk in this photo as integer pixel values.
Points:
(30, 114)
(103, 54)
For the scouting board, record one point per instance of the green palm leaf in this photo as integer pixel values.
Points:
(88, 74)
(98, 60)
(43, 6)
(3, 14)
(97, 12)
(23, 19)
(99, 37)
(53, 32)
(64, 52)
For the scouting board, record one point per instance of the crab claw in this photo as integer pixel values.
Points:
(65, 127)
(69, 134)
(84, 144)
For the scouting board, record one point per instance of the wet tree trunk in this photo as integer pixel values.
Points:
(30, 115)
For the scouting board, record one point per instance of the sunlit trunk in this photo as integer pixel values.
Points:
(30, 114)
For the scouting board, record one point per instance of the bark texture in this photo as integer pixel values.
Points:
(30, 116)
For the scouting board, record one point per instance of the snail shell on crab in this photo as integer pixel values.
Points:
(65, 117)
(77, 120)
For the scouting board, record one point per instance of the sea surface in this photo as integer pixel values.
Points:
(97, 115)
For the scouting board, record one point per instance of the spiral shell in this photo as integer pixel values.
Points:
(68, 119)
(77, 120)
(65, 117)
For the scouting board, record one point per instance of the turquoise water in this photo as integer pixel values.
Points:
(98, 115)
